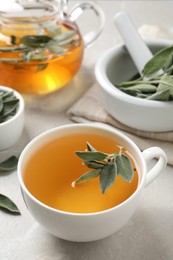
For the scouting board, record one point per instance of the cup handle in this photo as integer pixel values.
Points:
(149, 154)
(79, 9)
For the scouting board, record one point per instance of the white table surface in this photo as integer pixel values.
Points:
(149, 233)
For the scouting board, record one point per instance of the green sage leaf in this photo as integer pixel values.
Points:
(14, 49)
(13, 39)
(144, 88)
(9, 107)
(158, 61)
(94, 164)
(35, 40)
(106, 166)
(91, 156)
(1, 104)
(32, 56)
(163, 95)
(64, 36)
(90, 147)
(52, 28)
(168, 63)
(131, 92)
(41, 67)
(124, 167)
(9, 99)
(107, 176)
(142, 95)
(8, 204)
(9, 164)
(66, 43)
(166, 83)
(6, 94)
(129, 83)
(10, 60)
(55, 49)
(88, 175)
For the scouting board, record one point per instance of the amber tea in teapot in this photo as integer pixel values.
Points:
(41, 48)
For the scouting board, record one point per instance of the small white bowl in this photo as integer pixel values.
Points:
(116, 66)
(11, 130)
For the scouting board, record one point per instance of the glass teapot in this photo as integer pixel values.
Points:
(41, 47)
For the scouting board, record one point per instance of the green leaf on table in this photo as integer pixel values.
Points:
(158, 61)
(8, 204)
(107, 176)
(124, 167)
(9, 164)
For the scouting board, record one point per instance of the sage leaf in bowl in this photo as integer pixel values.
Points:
(8, 105)
(156, 82)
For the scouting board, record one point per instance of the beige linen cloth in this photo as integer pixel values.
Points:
(90, 109)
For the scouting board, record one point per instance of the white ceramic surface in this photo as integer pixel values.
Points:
(11, 130)
(115, 66)
(137, 48)
(91, 226)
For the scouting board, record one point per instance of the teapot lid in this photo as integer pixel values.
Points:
(31, 8)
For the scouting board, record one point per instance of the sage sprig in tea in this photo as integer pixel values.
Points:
(156, 82)
(8, 105)
(106, 166)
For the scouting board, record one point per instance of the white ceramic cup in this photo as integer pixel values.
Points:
(11, 130)
(89, 226)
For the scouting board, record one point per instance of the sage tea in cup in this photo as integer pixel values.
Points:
(88, 199)
(49, 173)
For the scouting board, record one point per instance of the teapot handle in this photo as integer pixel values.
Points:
(79, 9)
(149, 154)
